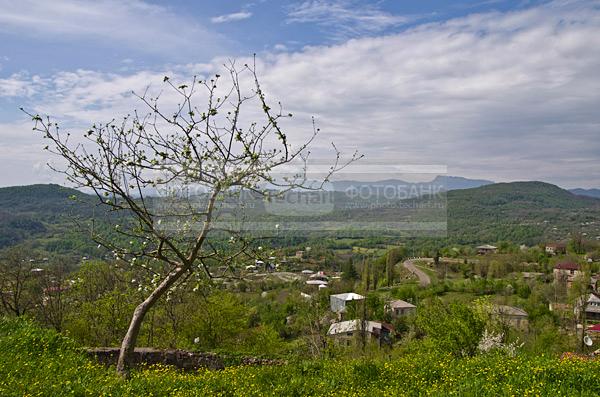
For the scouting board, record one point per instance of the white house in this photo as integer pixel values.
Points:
(318, 283)
(345, 331)
(339, 302)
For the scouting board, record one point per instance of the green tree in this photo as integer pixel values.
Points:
(101, 302)
(349, 272)
(453, 328)
(393, 256)
(220, 320)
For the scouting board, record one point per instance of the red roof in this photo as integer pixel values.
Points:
(567, 266)
(594, 328)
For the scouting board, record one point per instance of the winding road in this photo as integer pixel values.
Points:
(424, 279)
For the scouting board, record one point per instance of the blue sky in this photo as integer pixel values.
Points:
(42, 42)
(502, 90)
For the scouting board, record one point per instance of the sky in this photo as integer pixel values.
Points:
(500, 90)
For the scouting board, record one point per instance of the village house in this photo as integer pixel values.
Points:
(339, 302)
(345, 332)
(320, 284)
(511, 315)
(592, 309)
(400, 308)
(556, 248)
(319, 276)
(566, 272)
(486, 249)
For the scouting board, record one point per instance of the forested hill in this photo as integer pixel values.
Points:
(41, 200)
(522, 212)
(515, 195)
(43, 214)
(525, 212)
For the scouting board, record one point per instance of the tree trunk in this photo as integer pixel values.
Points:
(129, 341)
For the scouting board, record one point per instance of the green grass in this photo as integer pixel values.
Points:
(39, 362)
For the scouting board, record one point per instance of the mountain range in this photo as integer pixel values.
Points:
(446, 182)
(522, 212)
(443, 182)
(586, 192)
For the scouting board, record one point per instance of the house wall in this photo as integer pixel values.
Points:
(351, 338)
(337, 305)
(563, 274)
(403, 311)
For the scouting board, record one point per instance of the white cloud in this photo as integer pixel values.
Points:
(488, 94)
(503, 96)
(236, 16)
(20, 85)
(345, 18)
(133, 24)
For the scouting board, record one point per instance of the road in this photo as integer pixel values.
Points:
(424, 279)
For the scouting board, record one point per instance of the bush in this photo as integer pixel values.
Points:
(452, 328)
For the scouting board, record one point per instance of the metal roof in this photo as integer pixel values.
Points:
(351, 326)
(400, 304)
(316, 282)
(509, 310)
(348, 296)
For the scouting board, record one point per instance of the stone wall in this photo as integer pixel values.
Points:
(179, 358)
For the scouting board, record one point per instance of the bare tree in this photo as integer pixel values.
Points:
(17, 282)
(204, 148)
(51, 300)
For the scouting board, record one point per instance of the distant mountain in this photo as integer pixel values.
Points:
(586, 192)
(442, 182)
(458, 182)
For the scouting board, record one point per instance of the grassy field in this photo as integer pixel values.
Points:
(39, 362)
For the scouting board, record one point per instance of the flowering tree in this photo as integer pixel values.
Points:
(203, 145)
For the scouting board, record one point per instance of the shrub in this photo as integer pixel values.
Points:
(40, 362)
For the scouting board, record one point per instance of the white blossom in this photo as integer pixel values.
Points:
(490, 342)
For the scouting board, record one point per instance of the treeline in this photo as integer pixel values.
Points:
(93, 303)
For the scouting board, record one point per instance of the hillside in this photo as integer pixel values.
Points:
(523, 212)
(44, 216)
(40, 200)
(526, 212)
